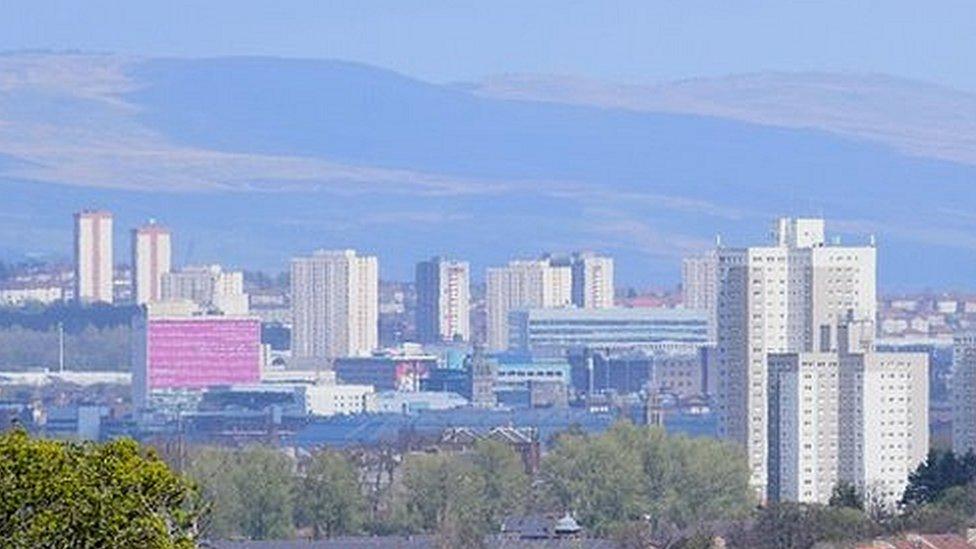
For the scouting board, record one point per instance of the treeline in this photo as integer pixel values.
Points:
(74, 317)
(89, 349)
(612, 483)
(97, 337)
(634, 485)
(940, 498)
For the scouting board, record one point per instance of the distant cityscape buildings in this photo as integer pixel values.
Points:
(151, 259)
(209, 287)
(555, 332)
(699, 285)
(583, 279)
(443, 300)
(593, 286)
(782, 348)
(94, 267)
(334, 305)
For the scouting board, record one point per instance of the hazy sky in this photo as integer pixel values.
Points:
(438, 40)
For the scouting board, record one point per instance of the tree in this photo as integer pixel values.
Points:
(61, 494)
(442, 493)
(329, 497)
(790, 525)
(631, 473)
(596, 478)
(939, 472)
(845, 494)
(506, 486)
(252, 491)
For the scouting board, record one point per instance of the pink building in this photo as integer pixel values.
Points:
(174, 353)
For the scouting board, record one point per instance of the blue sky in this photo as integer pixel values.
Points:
(628, 40)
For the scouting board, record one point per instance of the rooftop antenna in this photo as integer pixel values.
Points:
(718, 241)
(871, 240)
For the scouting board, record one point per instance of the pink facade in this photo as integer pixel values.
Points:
(202, 352)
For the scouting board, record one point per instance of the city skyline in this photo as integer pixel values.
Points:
(477, 274)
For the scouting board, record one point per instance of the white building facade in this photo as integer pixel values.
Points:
(208, 286)
(783, 298)
(335, 302)
(860, 418)
(523, 284)
(94, 266)
(592, 276)
(699, 285)
(151, 258)
(443, 300)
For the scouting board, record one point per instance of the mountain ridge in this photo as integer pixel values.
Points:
(258, 159)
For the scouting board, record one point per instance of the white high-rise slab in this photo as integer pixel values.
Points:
(860, 418)
(592, 281)
(335, 302)
(151, 259)
(443, 300)
(699, 285)
(531, 284)
(963, 393)
(208, 286)
(783, 298)
(93, 257)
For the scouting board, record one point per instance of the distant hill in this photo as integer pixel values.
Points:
(915, 117)
(253, 160)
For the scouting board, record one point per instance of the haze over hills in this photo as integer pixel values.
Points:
(914, 117)
(253, 160)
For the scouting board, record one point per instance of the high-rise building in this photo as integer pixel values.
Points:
(963, 393)
(151, 258)
(443, 300)
(188, 353)
(209, 287)
(534, 284)
(592, 281)
(859, 417)
(335, 301)
(93, 256)
(788, 297)
(699, 285)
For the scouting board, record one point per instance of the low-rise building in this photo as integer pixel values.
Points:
(17, 294)
(554, 332)
(400, 369)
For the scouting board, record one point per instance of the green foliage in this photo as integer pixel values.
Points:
(598, 479)
(329, 498)
(461, 497)
(791, 525)
(442, 493)
(251, 490)
(506, 489)
(630, 473)
(941, 471)
(845, 494)
(91, 348)
(60, 494)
